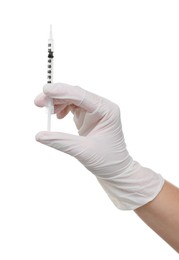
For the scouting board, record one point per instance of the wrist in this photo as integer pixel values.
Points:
(133, 188)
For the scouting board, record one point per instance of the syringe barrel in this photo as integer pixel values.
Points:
(50, 61)
(50, 76)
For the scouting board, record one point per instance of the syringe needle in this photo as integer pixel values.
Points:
(51, 37)
(50, 76)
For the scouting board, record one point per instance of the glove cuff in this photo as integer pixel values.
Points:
(136, 187)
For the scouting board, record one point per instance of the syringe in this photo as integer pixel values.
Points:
(50, 108)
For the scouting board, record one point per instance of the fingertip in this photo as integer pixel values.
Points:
(61, 114)
(35, 102)
(37, 99)
(58, 115)
(41, 100)
(41, 136)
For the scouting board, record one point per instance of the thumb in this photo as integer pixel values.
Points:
(67, 143)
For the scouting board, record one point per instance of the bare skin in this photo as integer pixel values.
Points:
(162, 214)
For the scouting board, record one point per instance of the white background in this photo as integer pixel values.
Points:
(51, 207)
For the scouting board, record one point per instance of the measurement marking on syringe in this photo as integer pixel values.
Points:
(50, 75)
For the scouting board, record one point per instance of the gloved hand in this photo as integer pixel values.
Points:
(100, 146)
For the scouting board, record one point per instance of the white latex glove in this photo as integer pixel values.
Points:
(100, 146)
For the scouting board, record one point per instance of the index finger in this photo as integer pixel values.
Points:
(42, 100)
(72, 95)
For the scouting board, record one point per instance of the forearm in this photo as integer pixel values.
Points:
(162, 214)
